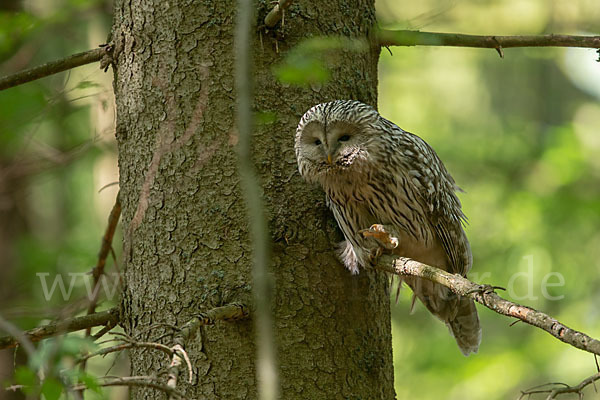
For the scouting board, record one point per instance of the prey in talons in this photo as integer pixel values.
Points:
(385, 241)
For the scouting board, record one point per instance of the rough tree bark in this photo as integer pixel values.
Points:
(186, 245)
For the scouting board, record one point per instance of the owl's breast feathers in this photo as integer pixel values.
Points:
(402, 184)
(384, 175)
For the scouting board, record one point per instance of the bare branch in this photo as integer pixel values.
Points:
(179, 356)
(486, 296)
(139, 381)
(123, 346)
(558, 389)
(276, 14)
(98, 270)
(230, 312)
(18, 335)
(108, 317)
(417, 38)
(54, 67)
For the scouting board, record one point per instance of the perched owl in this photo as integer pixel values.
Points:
(381, 179)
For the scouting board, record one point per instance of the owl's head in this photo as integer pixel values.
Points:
(334, 137)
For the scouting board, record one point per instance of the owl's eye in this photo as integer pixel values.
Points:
(344, 138)
(317, 142)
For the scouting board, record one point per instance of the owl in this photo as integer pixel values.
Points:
(383, 182)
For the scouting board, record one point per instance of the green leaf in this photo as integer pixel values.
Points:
(26, 377)
(75, 345)
(309, 62)
(51, 389)
(265, 117)
(91, 382)
(86, 85)
(300, 71)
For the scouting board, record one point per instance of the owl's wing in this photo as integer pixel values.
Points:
(436, 189)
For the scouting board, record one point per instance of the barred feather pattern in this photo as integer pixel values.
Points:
(373, 172)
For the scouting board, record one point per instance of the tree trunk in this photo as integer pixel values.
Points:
(186, 246)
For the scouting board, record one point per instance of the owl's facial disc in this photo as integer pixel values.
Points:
(334, 146)
(343, 139)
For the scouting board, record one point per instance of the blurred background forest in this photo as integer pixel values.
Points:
(519, 134)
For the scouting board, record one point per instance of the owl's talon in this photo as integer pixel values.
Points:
(377, 232)
(485, 289)
(374, 255)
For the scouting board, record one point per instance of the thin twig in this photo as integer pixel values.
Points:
(20, 337)
(229, 312)
(53, 67)
(482, 294)
(268, 385)
(108, 317)
(276, 14)
(112, 349)
(98, 270)
(553, 392)
(105, 248)
(179, 356)
(136, 381)
(153, 327)
(102, 332)
(417, 38)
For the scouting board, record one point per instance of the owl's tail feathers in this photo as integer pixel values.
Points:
(458, 312)
(399, 281)
(465, 326)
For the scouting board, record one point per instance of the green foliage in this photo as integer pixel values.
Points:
(15, 27)
(310, 61)
(51, 389)
(50, 155)
(55, 358)
(90, 382)
(86, 85)
(516, 135)
(26, 377)
(265, 117)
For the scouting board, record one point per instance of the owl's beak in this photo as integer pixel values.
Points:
(329, 159)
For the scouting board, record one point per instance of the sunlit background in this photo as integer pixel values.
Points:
(57, 151)
(519, 134)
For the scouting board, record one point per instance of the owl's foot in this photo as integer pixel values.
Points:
(485, 289)
(383, 238)
(374, 255)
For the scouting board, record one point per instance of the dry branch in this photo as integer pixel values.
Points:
(19, 336)
(108, 317)
(54, 67)
(555, 389)
(230, 312)
(136, 381)
(276, 14)
(464, 287)
(105, 248)
(124, 346)
(417, 38)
